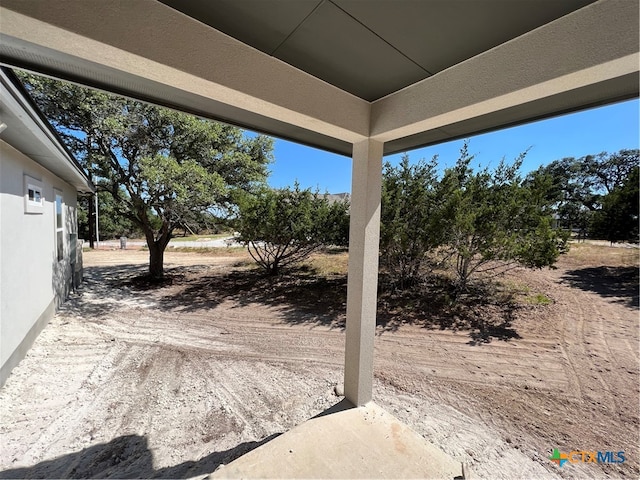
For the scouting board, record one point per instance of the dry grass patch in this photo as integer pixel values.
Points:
(235, 252)
(195, 238)
(595, 254)
(329, 262)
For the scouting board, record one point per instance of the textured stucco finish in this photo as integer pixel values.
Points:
(364, 235)
(31, 278)
(21, 350)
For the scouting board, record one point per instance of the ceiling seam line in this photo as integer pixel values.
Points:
(273, 52)
(378, 36)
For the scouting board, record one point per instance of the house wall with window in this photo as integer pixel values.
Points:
(37, 228)
(39, 259)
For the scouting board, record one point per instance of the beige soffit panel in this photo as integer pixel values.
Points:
(263, 24)
(373, 48)
(437, 34)
(164, 46)
(337, 48)
(592, 47)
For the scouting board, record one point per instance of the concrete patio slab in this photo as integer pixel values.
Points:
(346, 442)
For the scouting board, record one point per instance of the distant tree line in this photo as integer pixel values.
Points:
(595, 196)
(114, 224)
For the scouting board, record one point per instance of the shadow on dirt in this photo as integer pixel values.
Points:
(301, 297)
(126, 457)
(481, 312)
(617, 283)
(105, 288)
(306, 298)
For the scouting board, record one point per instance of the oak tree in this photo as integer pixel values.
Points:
(161, 167)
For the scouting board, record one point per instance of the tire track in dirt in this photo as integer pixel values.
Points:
(53, 419)
(520, 363)
(605, 416)
(538, 390)
(592, 341)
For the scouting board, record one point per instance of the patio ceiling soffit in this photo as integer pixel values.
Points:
(586, 58)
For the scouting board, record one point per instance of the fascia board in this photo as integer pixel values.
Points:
(588, 48)
(185, 55)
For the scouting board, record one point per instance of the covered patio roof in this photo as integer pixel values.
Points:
(328, 73)
(360, 78)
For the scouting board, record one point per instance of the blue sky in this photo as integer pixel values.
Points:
(605, 129)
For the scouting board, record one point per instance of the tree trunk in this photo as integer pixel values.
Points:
(156, 246)
(274, 269)
(156, 260)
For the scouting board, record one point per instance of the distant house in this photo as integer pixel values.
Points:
(338, 197)
(39, 183)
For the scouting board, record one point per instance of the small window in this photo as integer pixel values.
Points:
(59, 225)
(33, 198)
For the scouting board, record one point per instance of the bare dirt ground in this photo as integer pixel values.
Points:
(170, 382)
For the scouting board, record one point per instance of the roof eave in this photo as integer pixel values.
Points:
(19, 109)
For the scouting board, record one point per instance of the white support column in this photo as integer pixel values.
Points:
(364, 234)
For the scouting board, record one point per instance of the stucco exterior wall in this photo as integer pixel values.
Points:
(33, 282)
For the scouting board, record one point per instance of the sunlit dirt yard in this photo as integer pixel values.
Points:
(132, 380)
